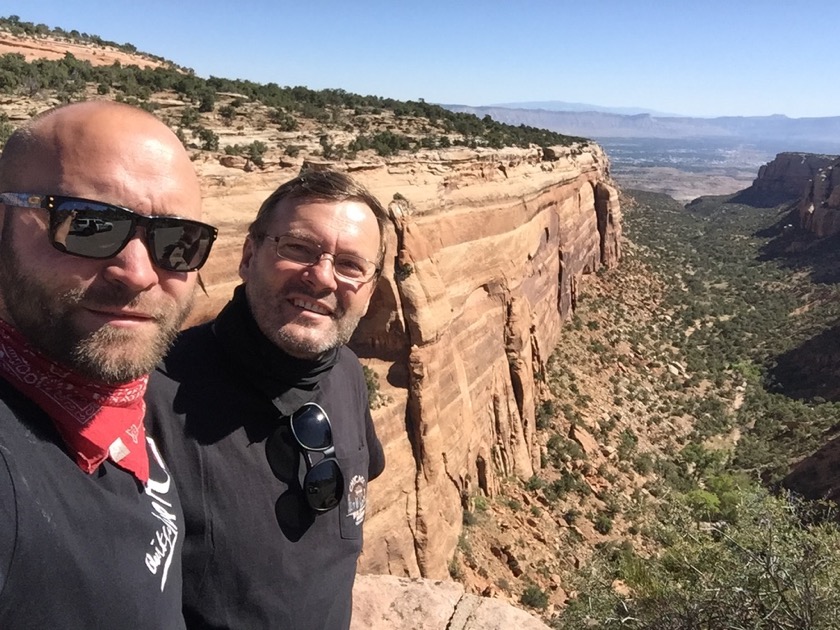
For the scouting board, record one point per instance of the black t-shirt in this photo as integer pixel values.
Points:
(80, 550)
(255, 555)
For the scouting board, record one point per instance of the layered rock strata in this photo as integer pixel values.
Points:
(784, 179)
(486, 253)
(819, 208)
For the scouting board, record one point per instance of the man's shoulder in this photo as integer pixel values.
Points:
(348, 358)
(192, 349)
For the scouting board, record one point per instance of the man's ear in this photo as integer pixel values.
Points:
(248, 254)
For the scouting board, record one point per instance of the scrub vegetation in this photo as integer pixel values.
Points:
(343, 123)
(700, 411)
(681, 432)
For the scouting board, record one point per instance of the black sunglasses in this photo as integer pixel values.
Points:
(93, 229)
(323, 485)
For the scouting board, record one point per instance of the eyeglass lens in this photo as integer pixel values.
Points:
(323, 485)
(93, 230)
(311, 428)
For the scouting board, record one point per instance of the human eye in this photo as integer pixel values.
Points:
(298, 250)
(351, 266)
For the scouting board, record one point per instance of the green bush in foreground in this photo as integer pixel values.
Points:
(774, 565)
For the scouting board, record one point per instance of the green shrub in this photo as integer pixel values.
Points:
(534, 597)
(603, 523)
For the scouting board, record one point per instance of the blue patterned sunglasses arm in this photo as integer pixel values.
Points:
(23, 200)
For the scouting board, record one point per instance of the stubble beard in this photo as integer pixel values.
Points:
(108, 354)
(294, 339)
(299, 337)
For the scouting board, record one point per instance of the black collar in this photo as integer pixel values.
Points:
(288, 381)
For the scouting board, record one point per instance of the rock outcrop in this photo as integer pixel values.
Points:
(819, 208)
(785, 179)
(486, 253)
(384, 602)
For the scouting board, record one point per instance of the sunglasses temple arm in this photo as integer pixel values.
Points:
(202, 285)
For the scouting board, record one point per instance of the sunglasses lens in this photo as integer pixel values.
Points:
(88, 230)
(323, 485)
(179, 245)
(312, 428)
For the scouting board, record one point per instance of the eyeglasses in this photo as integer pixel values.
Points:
(323, 484)
(346, 266)
(93, 229)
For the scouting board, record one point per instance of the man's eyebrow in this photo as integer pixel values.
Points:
(302, 234)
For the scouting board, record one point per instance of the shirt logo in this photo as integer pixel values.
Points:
(164, 542)
(357, 499)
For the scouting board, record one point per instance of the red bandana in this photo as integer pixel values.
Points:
(97, 421)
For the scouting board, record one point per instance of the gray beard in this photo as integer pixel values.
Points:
(311, 348)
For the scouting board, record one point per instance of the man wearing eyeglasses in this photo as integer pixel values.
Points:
(91, 197)
(271, 437)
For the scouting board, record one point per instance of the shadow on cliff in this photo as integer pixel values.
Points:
(810, 371)
(817, 476)
(792, 247)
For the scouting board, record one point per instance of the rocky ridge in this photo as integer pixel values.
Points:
(819, 207)
(461, 329)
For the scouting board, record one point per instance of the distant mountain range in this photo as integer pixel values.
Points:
(564, 106)
(818, 135)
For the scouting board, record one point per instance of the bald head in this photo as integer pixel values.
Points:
(108, 318)
(66, 147)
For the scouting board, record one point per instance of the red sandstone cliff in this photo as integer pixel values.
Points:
(486, 268)
(819, 208)
(784, 179)
(812, 179)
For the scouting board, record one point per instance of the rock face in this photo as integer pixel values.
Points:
(819, 208)
(384, 602)
(486, 252)
(485, 270)
(784, 179)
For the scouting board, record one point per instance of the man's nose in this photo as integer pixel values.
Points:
(133, 266)
(322, 272)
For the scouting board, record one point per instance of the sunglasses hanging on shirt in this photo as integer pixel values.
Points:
(323, 484)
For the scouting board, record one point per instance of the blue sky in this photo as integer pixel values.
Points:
(700, 58)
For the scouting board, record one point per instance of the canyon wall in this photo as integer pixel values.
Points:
(784, 179)
(810, 180)
(819, 208)
(486, 251)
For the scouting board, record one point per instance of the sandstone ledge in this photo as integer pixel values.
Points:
(384, 602)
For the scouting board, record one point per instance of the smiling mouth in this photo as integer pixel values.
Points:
(311, 306)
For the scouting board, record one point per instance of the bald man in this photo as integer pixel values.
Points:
(95, 199)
